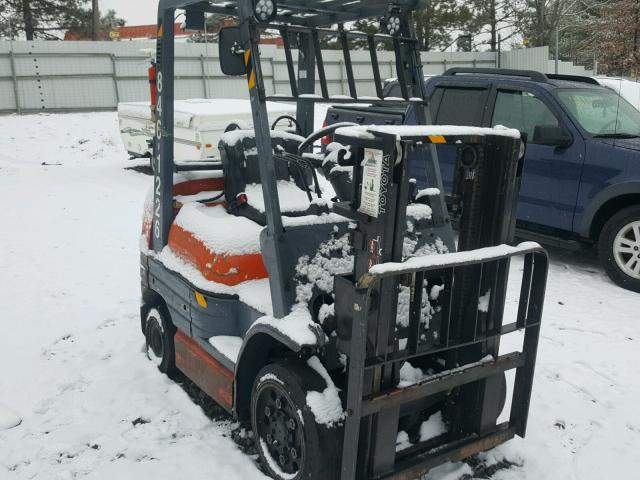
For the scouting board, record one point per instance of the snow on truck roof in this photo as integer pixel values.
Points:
(408, 131)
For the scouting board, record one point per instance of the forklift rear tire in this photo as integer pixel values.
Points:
(159, 340)
(291, 444)
(619, 248)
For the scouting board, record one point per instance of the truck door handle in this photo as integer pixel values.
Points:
(359, 119)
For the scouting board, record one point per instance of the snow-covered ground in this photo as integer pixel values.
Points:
(93, 406)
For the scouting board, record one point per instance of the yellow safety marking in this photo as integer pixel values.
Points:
(437, 139)
(161, 31)
(247, 63)
(201, 300)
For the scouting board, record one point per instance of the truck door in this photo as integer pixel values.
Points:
(453, 104)
(551, 176)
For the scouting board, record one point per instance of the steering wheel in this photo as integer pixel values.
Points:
(310, 140)
(239, 125)
(291, 120)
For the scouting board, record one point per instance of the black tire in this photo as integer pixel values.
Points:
(159, 334)
(320, 447)
(619, 243)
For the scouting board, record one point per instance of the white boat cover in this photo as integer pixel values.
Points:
(203, 113)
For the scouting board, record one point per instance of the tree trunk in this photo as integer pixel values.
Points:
(95, 30)
(493, 25)
(635, 55)
(27, 17)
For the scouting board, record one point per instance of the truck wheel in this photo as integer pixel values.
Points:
(619, 248)
(159, 336)
(292, 446)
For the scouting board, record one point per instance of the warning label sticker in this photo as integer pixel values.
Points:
(371, 179)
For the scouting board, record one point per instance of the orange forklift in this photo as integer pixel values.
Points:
(320, 295)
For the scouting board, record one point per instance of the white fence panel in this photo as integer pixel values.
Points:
(526, 59)
(66, 76)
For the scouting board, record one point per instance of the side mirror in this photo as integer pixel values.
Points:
(551, 135)
(230, 51)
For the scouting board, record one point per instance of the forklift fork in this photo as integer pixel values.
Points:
(387, 403)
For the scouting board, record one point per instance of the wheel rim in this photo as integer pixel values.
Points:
(155, 345)
(279, 430)
(626, 249)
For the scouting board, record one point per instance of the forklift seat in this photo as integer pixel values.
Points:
(224, 248)
(242, 183)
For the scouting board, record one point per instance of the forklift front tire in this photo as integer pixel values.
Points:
(291, 444)
(159, 334)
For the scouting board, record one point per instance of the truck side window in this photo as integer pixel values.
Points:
(394, 91)
(523, 111)
(460, 106)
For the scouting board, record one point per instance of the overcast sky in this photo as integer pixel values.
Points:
(135, 12)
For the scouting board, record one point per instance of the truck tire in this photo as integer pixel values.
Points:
(291, 444)
(159, 340)
(619, 248)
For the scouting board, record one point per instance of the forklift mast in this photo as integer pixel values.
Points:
(462, 332)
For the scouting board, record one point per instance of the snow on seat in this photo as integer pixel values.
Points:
(291, 197)
(223, 247)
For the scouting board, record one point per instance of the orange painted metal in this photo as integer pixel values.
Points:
(205, 371)
(218, 267)
(191, 187)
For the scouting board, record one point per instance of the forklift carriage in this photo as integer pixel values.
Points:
(359, 340)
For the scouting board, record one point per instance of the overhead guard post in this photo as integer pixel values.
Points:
(163, 146)
(272, 245)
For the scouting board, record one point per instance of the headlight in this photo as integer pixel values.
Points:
(264, 10)
(392, 22)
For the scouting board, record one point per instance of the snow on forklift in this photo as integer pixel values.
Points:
(345, 327)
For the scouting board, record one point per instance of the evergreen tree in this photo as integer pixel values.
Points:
(83, 24)
(368, 26)
(490, 19)
(213, 24)
(111, 21)
(435, 23)
(434, 26)
(45, 19)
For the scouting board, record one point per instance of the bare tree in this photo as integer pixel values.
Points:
(618, 38)
(494, 17)
(539, 20)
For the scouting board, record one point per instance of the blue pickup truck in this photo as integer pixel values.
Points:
(581, 178)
